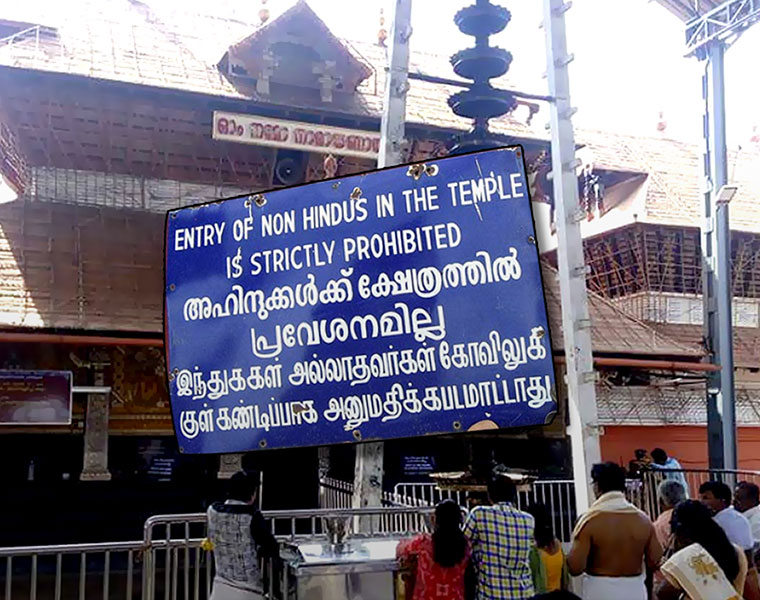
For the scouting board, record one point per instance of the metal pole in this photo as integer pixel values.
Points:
(718, 278)
(576, 324)
(396, 86)
(368, 472)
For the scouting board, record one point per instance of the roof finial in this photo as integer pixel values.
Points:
(382, 33)
(662, 124)
(263, 12)
(755, 137)
(330, 166)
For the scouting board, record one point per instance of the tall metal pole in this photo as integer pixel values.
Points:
(368, 472)
(717, 278)
(576, 324)
(396, 86)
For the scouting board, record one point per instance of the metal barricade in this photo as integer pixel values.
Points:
(429, 493)
(170, 562)
(176, 565)
(107, 570)
(647, 500)
(557, 494)
(334, 493)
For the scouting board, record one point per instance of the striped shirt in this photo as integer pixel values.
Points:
(501, 538)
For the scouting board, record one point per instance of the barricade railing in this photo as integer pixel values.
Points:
(172, 561)
(556, 494)
(645, 495)
(429, 493)
(112, 570)
(172, 567)
(334, 493)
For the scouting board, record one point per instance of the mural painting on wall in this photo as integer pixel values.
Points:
(138, 381)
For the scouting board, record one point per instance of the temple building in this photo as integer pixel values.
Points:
(115, 112)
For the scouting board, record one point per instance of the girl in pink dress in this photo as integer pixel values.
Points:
(441, 559)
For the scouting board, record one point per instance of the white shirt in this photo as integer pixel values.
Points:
(753, 516)
(736, 526)
(675, 473)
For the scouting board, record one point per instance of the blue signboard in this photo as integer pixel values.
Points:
(401, 302)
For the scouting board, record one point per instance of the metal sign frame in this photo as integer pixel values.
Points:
(186, 299)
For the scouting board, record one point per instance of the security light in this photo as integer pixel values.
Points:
(725, 194)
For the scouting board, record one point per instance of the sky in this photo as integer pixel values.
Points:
(629, 62)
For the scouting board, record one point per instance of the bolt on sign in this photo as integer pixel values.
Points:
(402, 302)
(294, 135)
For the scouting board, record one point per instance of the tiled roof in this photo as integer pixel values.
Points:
(668, 405)
(97, 268)
(746, 341)
(674, 168)
(126, 41)
(178, 48)
(66, 266)
(112, 41)
(613, 331)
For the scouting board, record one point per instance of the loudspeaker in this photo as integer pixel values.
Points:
(289, 167)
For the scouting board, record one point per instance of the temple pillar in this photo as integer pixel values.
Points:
(95, 466)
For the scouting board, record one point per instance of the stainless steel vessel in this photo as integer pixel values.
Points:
(341, 569)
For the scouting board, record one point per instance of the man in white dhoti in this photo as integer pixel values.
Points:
(615, 547)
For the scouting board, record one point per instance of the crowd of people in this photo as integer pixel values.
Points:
(502, 552)
(697, 549)
(659, 461)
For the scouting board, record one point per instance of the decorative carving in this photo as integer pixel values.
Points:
(269, 63)
(99, 359)
(330, 166)
(138, 381)
(300, 39)
(229, 464)
(327, 79)
(263, 12)
(382, 33)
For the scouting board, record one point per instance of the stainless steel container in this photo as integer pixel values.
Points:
(357, 569)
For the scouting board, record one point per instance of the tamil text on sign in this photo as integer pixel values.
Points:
(397, 303)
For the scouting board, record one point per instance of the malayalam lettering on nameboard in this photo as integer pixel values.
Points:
(396, 303)
(35, 397)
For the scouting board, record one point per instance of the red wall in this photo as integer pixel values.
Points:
(687, 443)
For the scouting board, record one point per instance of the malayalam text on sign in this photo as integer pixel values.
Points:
(396, 303)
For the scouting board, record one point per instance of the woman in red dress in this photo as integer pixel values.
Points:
(441, 559)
